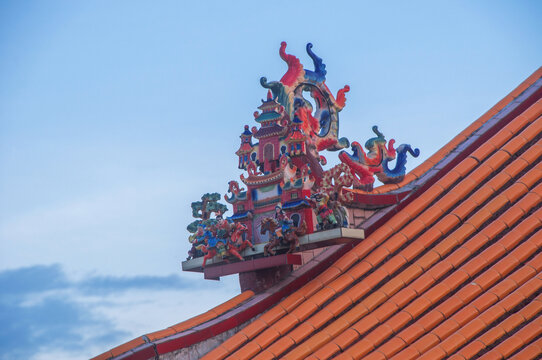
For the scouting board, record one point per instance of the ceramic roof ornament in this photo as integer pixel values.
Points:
(298, 120)
(285, 165)
(291, 92)
(219, 236)
(375, 162)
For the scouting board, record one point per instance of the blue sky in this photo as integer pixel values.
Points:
(114, 116)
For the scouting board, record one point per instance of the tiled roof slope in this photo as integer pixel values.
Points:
(457, 272)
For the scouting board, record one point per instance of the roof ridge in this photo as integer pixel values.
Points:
(527, 101)
(182, 326)
(462, 136)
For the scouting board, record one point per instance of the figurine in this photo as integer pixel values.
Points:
(290, 236)
(203, 210)
(213, 246)
(339, 211)
(216, 237)
(283, 221)
(324, 215)
(222, 228)
(375, 161)
(197, 240)
(236, 244)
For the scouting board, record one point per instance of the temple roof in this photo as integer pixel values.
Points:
(453, 270)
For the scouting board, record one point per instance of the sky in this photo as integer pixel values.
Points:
(115, 116)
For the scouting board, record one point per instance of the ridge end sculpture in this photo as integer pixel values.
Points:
(287, 192)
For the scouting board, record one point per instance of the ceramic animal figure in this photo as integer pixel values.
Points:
(337, 178)
(397, 174)
(365, 165)
(209, 254)
(321, 123)
(291, 237)
(375, 162)
(236, 243)
(324, 215)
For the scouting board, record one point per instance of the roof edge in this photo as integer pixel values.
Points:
(438, 156)
(517, 104)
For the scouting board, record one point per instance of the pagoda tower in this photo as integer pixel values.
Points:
(296, 138)
(272, 121)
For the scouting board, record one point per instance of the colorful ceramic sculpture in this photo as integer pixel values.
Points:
(324, 214)
(365, 165)
(289, 237)
(218, 236)
(287, 188)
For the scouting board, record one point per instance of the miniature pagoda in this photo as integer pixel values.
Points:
(285, 166)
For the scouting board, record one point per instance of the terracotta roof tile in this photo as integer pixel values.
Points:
(476, 289)
(303, 311)
(297, 298)
(221, 352)
(248, 351)
(265, 355)
(532, 351)
(253, 329)
(468, 331)
(523, 337)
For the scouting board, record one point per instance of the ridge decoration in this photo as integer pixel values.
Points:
(287, 192)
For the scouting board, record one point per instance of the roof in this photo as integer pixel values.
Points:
(458, 267)
(453, 270)
(268, 116)
(245, 148)
(270, 130)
